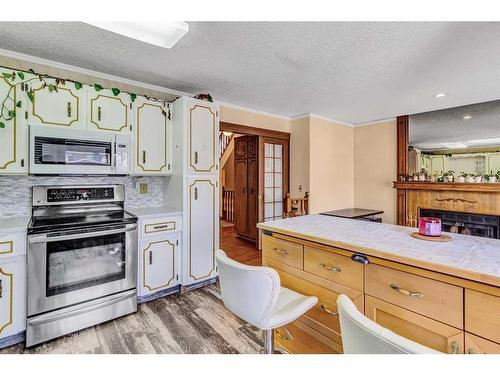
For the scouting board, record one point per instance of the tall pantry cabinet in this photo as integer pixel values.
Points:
(194, 183)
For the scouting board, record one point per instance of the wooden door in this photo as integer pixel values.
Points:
(252, 187)
(203, 131)
(241, 196)
(413, 326)
(159, 258)
(202, 228)
(13, 134)
(152, 138)
(59, 107)
(107, 112)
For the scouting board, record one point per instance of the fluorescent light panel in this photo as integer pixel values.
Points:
(161, 34)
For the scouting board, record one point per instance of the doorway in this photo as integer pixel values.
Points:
(254, 178)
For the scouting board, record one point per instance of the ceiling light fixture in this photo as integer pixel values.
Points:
(467, 117)
(440, 95)
(161, 34)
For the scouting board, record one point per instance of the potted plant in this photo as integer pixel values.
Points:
(478, 178)
(440, 178)
(469, 178)
(449, 176)
(462, 177)
(422, 175)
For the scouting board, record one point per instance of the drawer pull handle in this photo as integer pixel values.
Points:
(455, 347)
(286, 336)
(1, 289)
(325, 309)
(406, 292)
(330, 268)
(281, 252)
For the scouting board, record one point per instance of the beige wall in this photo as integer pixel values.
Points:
(331, 166)
(258, 120)
(375, 168)
(299, 156)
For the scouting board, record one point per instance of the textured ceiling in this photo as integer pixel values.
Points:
(353, 72)
(430, 130)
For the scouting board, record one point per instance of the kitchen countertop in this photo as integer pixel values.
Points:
(468, 257)
(14, 223)
(155, 211)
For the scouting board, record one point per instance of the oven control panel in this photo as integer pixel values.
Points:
(79, 194)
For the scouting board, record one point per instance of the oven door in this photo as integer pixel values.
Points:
(71, 267)
(63, 151)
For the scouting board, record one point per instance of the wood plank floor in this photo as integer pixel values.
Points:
(242, 251)
(194, 322)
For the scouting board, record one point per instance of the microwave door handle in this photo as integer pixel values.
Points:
(45, 239)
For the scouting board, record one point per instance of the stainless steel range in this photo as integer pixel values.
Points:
(82, 259)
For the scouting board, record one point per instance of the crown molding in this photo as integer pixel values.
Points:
(368, 123)
(256, 111)
(324, 118)
(93, 73)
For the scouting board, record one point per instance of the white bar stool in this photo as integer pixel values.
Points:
(254, 294)
(361, 335)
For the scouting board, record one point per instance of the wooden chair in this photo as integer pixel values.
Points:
(296, 206)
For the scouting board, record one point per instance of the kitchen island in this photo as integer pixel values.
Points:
(445, 295)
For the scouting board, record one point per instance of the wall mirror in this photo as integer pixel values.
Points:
(461, 143)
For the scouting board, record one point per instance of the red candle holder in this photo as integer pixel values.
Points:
(429, 226)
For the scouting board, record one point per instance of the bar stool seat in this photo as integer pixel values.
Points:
(255, 295)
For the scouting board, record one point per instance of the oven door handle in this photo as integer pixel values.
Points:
(44, 238)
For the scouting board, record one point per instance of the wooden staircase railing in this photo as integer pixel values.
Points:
(228, 205)
(224, 141)
(296, 206)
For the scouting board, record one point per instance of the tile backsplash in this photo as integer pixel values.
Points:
(15, 191)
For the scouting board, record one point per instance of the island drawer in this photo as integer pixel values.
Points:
(325, 311)
(482, 314)
(298, 338)
(334, 267)
(287, 252)
(162, 225)
(12, 244)
(477, 345)
(435, 299)
(416, 327)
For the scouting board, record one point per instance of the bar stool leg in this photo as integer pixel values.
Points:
(268, 341)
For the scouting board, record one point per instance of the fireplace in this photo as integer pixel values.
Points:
(466, 223)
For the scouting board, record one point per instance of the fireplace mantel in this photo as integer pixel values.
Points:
(448, 186)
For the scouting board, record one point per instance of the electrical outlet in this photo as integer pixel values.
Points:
(143, 188)
(300, 188)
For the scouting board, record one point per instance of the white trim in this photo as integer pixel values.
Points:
(93, 73)
(368, 123)
(243, 108)
(324, 118)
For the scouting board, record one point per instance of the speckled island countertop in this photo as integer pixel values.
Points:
(468, 257)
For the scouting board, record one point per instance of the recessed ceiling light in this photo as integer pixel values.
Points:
(162, 34)
(440, 95)
(467, 117)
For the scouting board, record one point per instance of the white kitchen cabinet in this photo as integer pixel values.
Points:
(159, 263)
(107, 112)
(202, 229)
(203, 134)
(14, 136)
(61, 107)
(12, 296)
(152, 138)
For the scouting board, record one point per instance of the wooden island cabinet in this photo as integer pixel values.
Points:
(432, 304)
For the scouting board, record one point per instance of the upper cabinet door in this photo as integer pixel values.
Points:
(107, 112)
(59, 107)
(152, 138)
(13, 135)
(203, 129)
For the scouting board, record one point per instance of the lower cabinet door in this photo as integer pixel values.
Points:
(202, 229)
(159, 258)
(12, 296)
(298, 338)
(477, 345)
(416, 327)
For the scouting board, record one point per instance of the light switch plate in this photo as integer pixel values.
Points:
(143, 188)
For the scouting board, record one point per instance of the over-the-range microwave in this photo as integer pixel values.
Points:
(55, 151)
